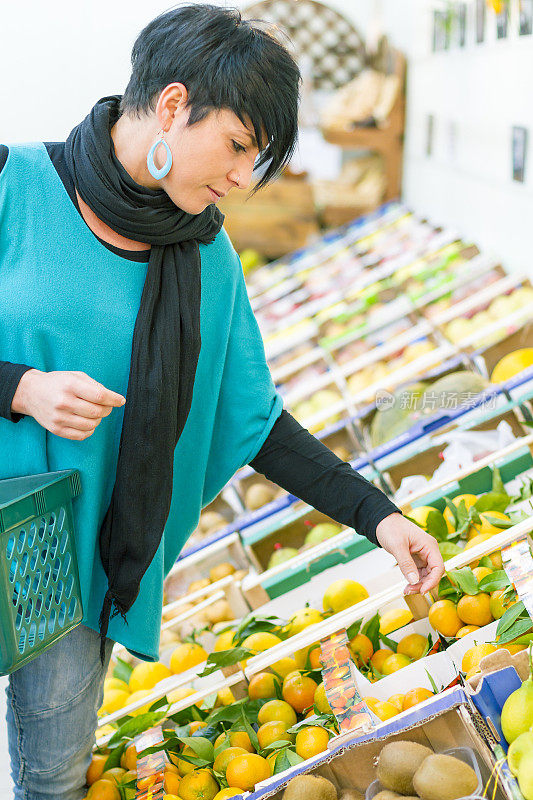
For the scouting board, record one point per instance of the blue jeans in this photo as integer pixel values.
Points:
(52, 705)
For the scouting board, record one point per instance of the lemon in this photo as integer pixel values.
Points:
(186, 656)
(139, 696)
(115, 683)
(147, 674)
(175, 695)
(394, 619)
(225, 697)
(302, 619)
(284, 666)
(321, 701)
(342, 594)
(517, 711)
(420, 515)
(473, 656)
(113, 700)
(469, 500)
(488, 527)
(521, 745)
(511, 364)
(224, 641)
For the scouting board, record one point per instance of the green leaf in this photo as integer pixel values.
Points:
(436, 525)
(250, 731)
(115, 755)
(497, 483)
(497, 522)
(224, 744)
(224, 658)
(525, 491)
(492, 501)
(123, 670)
(201, 746)
(293, 758)
(462, 514)
(162, 702)
(519, 515)
(432, 682)
(453, 510)
(465, 580)
(354, 629)
(389, 642)
(232, 713)
(446, 590)
(185, 716)
(196, 761)
(319, 719)
(512, 614)
(282, 762)
(136, 725)
(449, 550)
(518, 628)
(277, 745)
(252, 624)
(371, 629)
(220, 778)
(498, 580)
(486, 562)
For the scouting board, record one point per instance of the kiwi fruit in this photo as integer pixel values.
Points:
(220, 611)
(397, 764)
(442, 777)
(211, 521)
(350, 794)
(386, 794)
(258, 495)
(310, 787)
(220, 571)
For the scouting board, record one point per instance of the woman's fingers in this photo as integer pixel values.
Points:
(84, 408)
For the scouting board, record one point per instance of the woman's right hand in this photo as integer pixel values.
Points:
(68, 404)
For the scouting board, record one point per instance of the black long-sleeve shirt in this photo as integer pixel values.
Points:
(290, 457)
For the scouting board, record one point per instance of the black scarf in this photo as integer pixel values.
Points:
(165, 350)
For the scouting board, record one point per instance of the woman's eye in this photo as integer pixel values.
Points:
(238, 147)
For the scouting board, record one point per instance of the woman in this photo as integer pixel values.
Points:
(131, 354)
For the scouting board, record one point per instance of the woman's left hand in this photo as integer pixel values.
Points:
(416, 552)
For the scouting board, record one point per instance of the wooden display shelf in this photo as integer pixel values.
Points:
(387, 140)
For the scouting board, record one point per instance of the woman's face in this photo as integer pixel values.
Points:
(208, 159)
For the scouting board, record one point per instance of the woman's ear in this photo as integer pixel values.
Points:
(172, 102)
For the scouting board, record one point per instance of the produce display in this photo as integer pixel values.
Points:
(379, 307)
(365, 337)
(517, 726)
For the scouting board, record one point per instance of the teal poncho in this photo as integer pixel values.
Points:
(69, 303)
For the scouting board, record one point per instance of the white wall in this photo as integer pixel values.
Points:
(57, 58)
(482, 90)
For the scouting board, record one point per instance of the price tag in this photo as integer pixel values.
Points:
(518, 564)
(340, 683)
(150, 768)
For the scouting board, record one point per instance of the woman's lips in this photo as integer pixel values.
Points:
(215, 195)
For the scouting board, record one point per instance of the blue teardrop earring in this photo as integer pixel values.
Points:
(165, 169)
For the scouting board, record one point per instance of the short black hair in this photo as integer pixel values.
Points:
(225, 62)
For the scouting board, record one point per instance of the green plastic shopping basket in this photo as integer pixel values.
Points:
(40, 598)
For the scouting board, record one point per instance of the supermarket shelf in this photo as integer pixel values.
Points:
(371, 605)
(493, 459)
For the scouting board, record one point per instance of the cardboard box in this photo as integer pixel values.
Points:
(445, 722)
